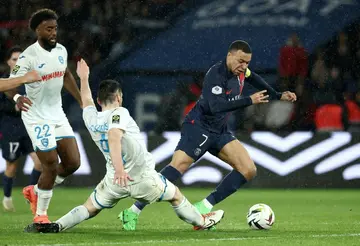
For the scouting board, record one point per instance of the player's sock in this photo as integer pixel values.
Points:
(139, 205)
(230, 184)
(8, 183)
(170, 173)
(207, 204)
(44, 197)
(188, 213)
(135, 209)
(58, 180)
(74, 217)
(34, 177)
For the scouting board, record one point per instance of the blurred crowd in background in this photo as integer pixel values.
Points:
(94, 29)
(326, 81)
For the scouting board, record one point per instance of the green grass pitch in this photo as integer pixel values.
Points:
(303, 217)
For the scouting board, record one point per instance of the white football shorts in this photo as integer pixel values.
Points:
(44, 135)
(152, 187)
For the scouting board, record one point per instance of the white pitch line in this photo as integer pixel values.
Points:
(203, 240)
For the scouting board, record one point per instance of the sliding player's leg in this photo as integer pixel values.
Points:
(155, 187)
(188, 213)
(194, 142)
(102, 197)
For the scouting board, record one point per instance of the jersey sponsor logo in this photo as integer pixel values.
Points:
(41, 65)
(217, 90)
(61, 59)
(54, 75)
(115, 119)
(15, 70)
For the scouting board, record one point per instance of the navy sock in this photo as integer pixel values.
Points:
(230, 184)
(8, 183)
(34, 177)
(170, 173)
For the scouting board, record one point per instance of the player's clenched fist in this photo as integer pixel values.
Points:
(259, 97)
(32, 76)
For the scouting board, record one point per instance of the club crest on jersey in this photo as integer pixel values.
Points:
(45, 142)
(217, 90)
(61, 59)
(115, 119)
(15, 70)
(197, 151)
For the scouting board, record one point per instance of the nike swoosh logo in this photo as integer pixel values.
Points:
(210, 224)
(228, 92)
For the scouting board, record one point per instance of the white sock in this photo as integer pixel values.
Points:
(135, 209)
(58, 180)
(7, 198)
(188, 213)
(44, 198)
(74, 217)
(207, 204)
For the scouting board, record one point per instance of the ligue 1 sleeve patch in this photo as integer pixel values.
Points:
(115, 119)
(247, 73)
(217, 90)
(15, 70)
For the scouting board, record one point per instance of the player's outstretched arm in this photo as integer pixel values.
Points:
(83, 71)
(259, 83)
(71, 86)
(114, 139)
(215, 94)
(12, 83)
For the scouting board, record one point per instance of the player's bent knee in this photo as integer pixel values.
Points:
(177, 198)
(11, 168)
(73, 165)
(180, 165)
(170, 191)
(181, 161)
(93, 211)
(249, 170)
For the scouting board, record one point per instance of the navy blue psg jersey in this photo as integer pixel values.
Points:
(222, 94)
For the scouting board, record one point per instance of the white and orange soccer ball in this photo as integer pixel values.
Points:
(260, 216)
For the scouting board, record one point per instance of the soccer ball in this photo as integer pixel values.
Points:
(260, 216)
